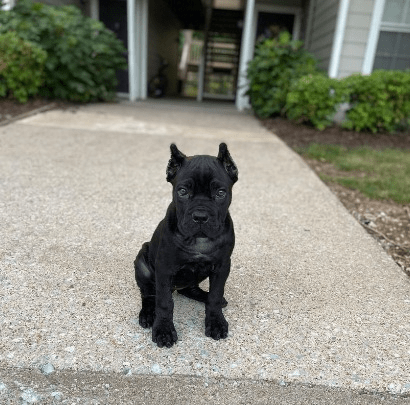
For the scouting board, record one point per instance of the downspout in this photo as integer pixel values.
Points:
(338, 38)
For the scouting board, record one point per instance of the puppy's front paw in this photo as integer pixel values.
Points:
(216, 327)
(164, 334)
(147, 316)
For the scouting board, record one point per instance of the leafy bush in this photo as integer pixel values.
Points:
(83, 55)
(314, 99)
(276, 64)
(379, 102)
(21, 67)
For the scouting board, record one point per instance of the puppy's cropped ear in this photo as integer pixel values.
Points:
(225, 158)
(175, 163)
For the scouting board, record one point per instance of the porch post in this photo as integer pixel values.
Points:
(132, 54)
(242, 100)
(202, 66)
(143, 50)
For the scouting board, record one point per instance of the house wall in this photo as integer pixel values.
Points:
(322, 30)
(356, 36)
(163, 38)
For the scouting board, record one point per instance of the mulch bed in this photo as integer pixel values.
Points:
(298, 135)
(387, 221)
(11, 109)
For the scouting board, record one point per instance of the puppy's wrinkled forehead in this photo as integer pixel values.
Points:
(201, 169)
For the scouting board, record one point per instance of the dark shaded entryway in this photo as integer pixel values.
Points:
(270, 24)
(113, 13)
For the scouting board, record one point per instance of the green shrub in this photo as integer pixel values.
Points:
(277, 62)
(21, 67)
(314, 99)
(83, 55)
(379, 102)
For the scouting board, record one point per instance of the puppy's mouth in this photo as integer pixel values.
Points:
(199, 231)
(201, 234)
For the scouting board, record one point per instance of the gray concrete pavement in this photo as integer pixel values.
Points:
(318, 313)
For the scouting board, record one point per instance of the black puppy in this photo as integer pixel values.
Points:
(194, 241)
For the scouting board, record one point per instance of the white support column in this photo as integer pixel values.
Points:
(138, 41)
(132, 50)
(338, 38)
(373, 37)
(242, 100)
(201, 77)
(95, 9)
(144, 50)
(202, 66)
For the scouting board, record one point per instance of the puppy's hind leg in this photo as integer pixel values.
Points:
(145, 278)
(198, 294)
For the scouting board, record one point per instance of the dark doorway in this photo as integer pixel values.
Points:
(271, 24)
(113, 13)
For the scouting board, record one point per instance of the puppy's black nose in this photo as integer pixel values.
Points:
(200, 217)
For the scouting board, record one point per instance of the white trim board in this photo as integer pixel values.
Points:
(373, 37)
(338, 38)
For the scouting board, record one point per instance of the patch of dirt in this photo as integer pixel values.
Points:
(387, 221)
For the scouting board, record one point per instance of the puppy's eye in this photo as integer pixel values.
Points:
(221, 194)
(183, 192)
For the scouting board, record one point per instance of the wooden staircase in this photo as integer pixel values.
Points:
(223, 44)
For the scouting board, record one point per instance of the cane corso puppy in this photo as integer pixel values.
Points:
(193, 242)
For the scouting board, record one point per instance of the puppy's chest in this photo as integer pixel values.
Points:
(191, 274)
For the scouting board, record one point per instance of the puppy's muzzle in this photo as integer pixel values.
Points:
(200, 217)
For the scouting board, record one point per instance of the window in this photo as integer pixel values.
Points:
(393, 48)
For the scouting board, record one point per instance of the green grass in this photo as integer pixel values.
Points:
(379, 174)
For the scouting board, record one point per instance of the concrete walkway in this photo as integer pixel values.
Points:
(318, 313)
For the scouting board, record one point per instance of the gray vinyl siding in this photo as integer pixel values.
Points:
(322, 30)
(356, 37)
